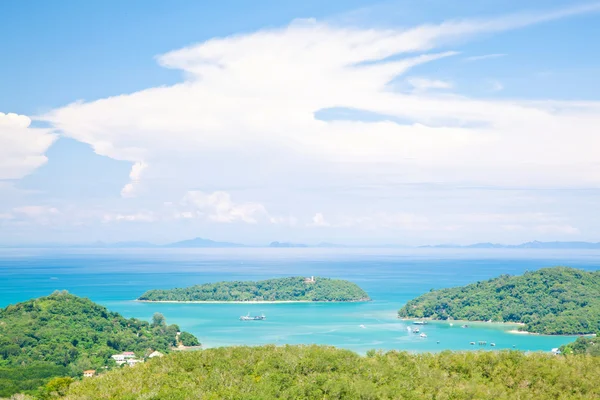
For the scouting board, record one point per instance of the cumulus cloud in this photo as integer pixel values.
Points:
(319, 220)
(135, 175)
(21, 148)
(245, 116)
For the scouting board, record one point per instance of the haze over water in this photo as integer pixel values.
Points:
(114, 278)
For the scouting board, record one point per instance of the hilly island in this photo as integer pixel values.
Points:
(554, 301)
(63, 335)
(292, 289)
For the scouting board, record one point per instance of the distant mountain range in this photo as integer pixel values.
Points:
(207, 243)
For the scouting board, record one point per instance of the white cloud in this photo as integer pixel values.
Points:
(136, 217)
(422, 84)
(319, 220)
(21, 148)
(219, 207)
(135, 175)
(245, 116)
(485, 57)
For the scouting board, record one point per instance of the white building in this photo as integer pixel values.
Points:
(123, 357)
(155, 354)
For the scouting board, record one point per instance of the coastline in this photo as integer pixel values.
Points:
(250, 302)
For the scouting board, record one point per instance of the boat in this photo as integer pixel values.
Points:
(416, 330)
(492, 344)
(465, 326)
(253, 318)
(419, 322)
(362, 326)
(423, 335)
(451, 324)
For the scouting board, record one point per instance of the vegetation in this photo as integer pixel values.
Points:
(556, 300)
(282, 289)
(318, 372)
(583, 345)
(62, 335)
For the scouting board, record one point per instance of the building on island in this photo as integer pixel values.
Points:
(155, 354)
(89, 373)
(124, 357)
(309, 280)
(133, 361)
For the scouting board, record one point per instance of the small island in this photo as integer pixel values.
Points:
(293, 289)
(553, 301)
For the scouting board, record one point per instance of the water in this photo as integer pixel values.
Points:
(114, 278)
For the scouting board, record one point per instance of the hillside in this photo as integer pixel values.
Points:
(318, 372)
(280, 289)
(556, 300)
(63, 335)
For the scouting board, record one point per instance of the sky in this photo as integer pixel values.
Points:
(353, 122)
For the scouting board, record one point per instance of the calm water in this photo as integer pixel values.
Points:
(391, 277)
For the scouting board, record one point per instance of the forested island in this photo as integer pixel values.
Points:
(322, 372)
(62, 335)
(270, 290)
(556, 301)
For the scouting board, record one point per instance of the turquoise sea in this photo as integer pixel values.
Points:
(114, 278)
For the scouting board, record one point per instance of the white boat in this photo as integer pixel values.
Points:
(419, 322)
(362, 326)
(254, 318)
(416, 330)
(423, 335)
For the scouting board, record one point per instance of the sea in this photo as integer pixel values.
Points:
(391, 277)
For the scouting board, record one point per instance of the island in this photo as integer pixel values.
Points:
(66, 337)
(554, 301)
(292, 289)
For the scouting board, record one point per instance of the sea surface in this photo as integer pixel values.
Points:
(114, 278)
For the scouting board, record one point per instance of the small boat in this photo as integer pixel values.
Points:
(423, 335)
(419, 322)
(362, 326)
(416, 330)
(492, 344)
(472, 343)
(451, 324)
(253, 318)
(465, 326)
(438, 342)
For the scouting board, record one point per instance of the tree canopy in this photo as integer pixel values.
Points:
(557, 300)
(280, 289)
(63, 335)
(320, 372)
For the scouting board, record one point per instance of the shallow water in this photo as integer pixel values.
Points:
(391, 277)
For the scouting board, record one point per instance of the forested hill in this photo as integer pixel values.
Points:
(63, 335)
(318, 372)
(280, 289)
(555, 300)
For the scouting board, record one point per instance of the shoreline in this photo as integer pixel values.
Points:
(248, 302)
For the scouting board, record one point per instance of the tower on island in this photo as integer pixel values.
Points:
(309, 280)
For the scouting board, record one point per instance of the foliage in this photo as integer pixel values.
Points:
(318, 372)
(187, 339)
(583, 345)
(281, 289)
(63, 335)
(556, 300)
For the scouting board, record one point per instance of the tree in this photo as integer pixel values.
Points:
(187, 339)
(158, 320)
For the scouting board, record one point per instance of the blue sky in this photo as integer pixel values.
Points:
(341, 121)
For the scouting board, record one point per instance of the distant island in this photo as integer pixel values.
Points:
(556, 301)
(292, 289)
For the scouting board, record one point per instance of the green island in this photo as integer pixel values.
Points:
(323, 372)
(270, 290)
(554, 301)
(63, 335)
